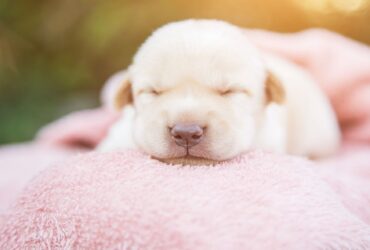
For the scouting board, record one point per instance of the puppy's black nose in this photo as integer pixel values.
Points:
(187, 135)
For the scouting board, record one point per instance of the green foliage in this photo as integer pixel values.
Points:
(54, 58)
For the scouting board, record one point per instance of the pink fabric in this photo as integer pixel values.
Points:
(80, 129)
(20, 163)
(348, 174)
(72, 134)
(129, 201)
(258, 201)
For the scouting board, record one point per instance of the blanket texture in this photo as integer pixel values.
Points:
(20, 163)
(129, 201)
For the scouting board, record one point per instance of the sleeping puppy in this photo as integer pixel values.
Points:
(199, 92)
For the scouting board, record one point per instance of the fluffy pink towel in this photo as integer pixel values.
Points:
(20, 163)
(57, 141)
(80, 129)
(128, 201)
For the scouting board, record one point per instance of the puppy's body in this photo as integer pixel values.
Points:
(309, 122)
(207, 74)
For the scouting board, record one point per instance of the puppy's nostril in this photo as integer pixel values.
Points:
(177, 136)
(196, 137)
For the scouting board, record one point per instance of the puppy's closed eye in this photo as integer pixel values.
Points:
(150, 91)
(231, 91)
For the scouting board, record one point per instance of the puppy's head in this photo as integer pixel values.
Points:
(198, 88)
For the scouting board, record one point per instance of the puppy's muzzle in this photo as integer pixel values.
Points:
(187, 136)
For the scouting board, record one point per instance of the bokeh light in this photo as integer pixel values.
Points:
(329, 6)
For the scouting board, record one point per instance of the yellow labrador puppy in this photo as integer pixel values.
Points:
(198, 91)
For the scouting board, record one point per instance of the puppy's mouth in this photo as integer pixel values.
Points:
(192, 157)
(189, 160)
(188, 146)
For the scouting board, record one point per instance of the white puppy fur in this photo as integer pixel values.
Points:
(206, 72)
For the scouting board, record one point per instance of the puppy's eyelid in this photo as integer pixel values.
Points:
(234, 91)
(155, 92)
(150, 91)
(247, 92)
(225, 92)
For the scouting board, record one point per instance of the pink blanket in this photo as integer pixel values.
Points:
(63, 138)
(129, 201)
(126, 200)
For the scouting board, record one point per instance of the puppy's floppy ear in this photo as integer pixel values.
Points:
(274, 90)
(117, 91)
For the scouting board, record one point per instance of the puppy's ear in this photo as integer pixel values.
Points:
(274, 90)
(117, 91)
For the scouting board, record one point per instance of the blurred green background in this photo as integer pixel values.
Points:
(56, 54)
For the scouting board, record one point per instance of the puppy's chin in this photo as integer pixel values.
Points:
(190, 161)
